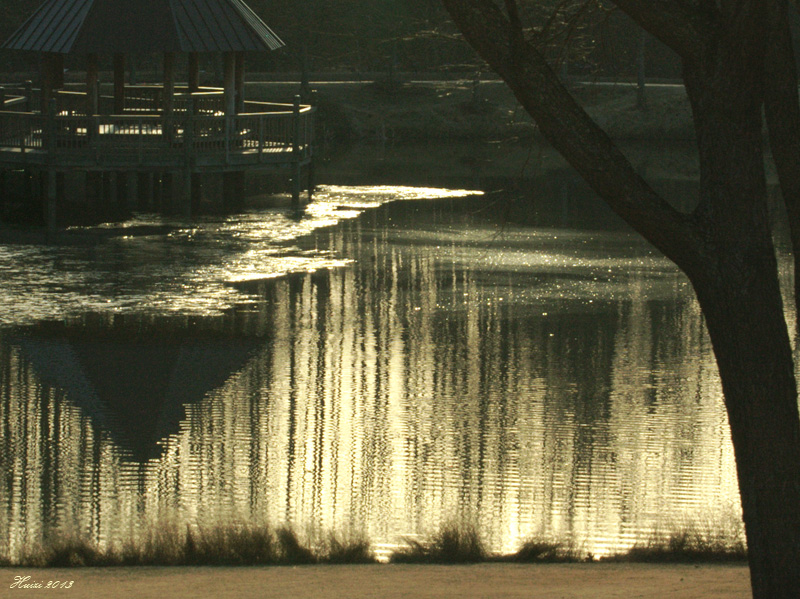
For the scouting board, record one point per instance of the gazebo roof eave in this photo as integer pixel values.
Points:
(123, 26)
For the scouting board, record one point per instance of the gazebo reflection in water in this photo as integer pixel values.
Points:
(158, 138)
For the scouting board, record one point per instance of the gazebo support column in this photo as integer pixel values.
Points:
(194, 72)
(239, 82)
(92, 100)
(187, 180)
(230, 83)
(119, 83)
(47, 67)
(296, 185)
(190, 197)
(193, 81)
(58, 71)
(168, 101)
(232, 182)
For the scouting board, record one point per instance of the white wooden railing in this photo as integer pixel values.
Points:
(277, 133)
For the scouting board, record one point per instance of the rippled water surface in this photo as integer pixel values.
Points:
(377, 366)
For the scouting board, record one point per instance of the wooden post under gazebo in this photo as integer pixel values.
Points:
(176, 133)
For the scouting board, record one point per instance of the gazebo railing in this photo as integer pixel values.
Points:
(142, 138)
(139, 99)
(20, 131)
(19, 97)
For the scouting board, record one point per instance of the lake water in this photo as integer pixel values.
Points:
(395, 360)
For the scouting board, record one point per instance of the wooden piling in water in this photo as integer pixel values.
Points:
(106, 195)
(3, 190)
(158, 192)
(186, 193)
(196, 191)
(61, 187)
(121, 194)
(50, 215)
(312, 184)
(233, 191)
(94, 191)
(169, 185)
(187, 179)
(144, 190)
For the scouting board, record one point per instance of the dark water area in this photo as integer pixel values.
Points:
(398, 359)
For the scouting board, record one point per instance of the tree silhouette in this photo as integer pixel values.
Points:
(737, 64)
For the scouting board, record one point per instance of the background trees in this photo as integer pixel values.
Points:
(363, 38)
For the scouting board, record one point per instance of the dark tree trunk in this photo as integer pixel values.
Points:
(739, 292)
(725, 246)
(754, 360)
(782, 109)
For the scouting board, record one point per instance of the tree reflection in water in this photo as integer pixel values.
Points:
(536, 382)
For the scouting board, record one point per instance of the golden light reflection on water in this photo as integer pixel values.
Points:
(437, 376)
(161, 264)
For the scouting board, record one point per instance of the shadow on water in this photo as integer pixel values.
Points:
(133, 378)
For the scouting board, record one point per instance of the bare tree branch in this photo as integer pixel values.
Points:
(513, 15)
(673, 22)
(573, 133)
(782, 109)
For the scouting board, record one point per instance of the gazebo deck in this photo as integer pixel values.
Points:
(195, 136)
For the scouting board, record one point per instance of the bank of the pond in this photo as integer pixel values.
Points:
(595, 581)
(486, 110)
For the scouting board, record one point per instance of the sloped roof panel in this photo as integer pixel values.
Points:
(52, 28)
(114, 26)
(139, 26)
(257, 25)
(221, 26)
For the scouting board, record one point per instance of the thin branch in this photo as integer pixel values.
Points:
(551, 20)
(673, 22)
(513, 15)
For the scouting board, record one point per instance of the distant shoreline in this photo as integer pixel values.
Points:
(482, 111)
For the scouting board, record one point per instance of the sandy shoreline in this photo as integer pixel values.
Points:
(556, 581)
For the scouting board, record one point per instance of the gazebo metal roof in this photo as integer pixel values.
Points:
(141, 26)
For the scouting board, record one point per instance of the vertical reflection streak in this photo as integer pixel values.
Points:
(423, 384)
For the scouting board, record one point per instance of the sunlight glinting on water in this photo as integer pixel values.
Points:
(175, 268)
(432, 378)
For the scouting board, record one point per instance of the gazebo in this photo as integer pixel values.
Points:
(168, 131)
